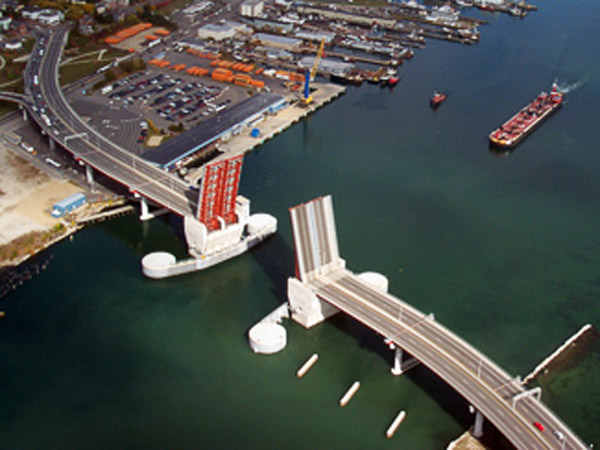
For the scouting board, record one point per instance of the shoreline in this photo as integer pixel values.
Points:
(242, 143)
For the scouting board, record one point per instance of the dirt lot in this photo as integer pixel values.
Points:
(26, 197)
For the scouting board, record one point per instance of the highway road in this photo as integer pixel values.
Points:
(478, 379)
(53, 113)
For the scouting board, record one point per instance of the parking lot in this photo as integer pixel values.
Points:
(126, 109)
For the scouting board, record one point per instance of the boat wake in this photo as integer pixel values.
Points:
(565, 88)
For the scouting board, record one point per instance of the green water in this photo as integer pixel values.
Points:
(504, 250)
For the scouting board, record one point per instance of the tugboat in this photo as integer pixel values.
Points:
(437, 99)
(393, 81)
(519, 126)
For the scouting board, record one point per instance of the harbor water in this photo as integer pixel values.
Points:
(503, 249)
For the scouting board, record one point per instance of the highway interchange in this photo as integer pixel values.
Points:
(56, 118)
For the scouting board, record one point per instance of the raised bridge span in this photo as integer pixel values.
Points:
(47, 106)
(488, 388)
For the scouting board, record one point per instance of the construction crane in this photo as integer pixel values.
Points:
(310, 75)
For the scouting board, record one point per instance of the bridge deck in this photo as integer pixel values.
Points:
(91, 147)
(478, 379)
(483, 384)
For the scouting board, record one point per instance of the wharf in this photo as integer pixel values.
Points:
(274, 124)
(366, 59)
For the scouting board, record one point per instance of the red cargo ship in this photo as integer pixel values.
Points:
(515, 129)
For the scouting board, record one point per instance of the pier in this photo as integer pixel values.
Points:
(244, 142)
(556, 353)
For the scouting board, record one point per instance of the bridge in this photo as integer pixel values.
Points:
(48, 107)
(15, 97)
(323, 286)
(217, 228)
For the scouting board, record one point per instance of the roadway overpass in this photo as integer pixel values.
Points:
(323, 286)
(48, 107)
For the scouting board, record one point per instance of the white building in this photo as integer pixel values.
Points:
(196, 8)
(221, 31)
(252, 8)
(31, 12)
(51, 17)
(5, 23)
(13, 45)
(443, 14)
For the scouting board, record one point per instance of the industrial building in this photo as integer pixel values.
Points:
(196, 8)
(68, 204)
(276, 41)
(316, 36)
(272, 25)
(349, 17)
(219, 32)
(326, 65)
(227, 123)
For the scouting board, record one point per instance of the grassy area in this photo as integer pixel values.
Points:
(11, 72)
(80, 68)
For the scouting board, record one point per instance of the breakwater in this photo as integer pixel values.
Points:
(556, 353)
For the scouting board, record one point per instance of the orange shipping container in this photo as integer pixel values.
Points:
(257, 84)
(223, 71)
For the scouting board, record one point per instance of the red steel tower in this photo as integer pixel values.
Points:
(218, 192)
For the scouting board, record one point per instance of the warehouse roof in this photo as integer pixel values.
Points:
(172, 151)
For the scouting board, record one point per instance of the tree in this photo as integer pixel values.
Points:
(89, 8)
(110, 76)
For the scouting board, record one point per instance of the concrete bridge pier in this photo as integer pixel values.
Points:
(478, 427)
(51, 143)
(89, 176)
(397, 369)
(25, 116)
(400, 366)
(145, 213)
(144, 210)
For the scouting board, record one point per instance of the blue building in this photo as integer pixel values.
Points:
(68, 204)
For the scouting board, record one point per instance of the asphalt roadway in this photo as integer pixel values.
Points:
(478, 379)
(91, 147)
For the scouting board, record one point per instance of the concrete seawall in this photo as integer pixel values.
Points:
(275, 124)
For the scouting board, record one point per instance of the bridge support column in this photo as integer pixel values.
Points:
(24, 115)
(478, 427)
(400, 366)
(145, 212)
(51, 143)
(397, 369)
(89, 175)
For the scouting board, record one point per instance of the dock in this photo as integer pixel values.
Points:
(244, 142)
(556, 353)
